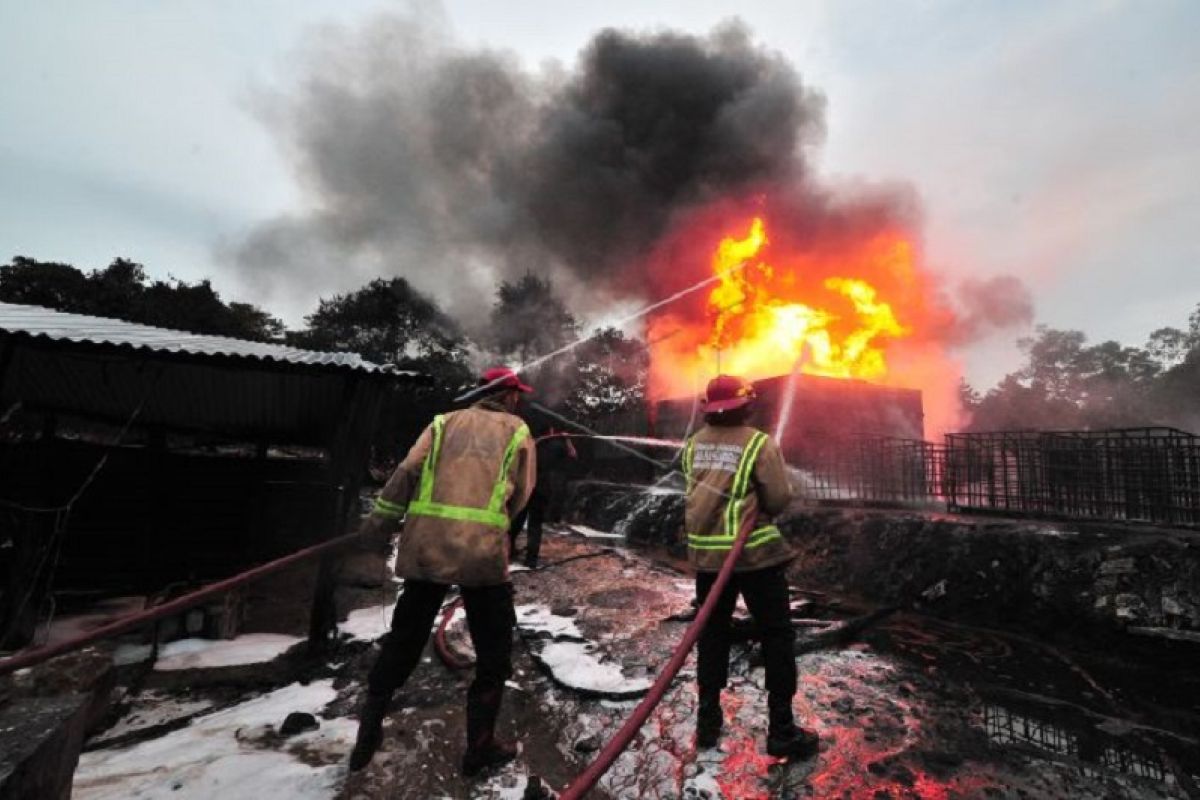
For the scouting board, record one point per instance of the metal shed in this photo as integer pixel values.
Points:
(134, 458)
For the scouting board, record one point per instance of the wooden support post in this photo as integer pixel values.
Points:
(7, 348)
(323, 619)
(347, 465)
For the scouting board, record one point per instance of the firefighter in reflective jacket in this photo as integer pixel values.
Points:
(468, 474)
(736, 476)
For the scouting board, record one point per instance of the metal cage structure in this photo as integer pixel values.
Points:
(1134, 474)
(874, 469)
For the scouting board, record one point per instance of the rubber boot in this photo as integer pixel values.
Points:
(370, 730)
(786, 739)
(484, 750)
(708, 722)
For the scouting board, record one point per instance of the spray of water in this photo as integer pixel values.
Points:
(618, 323)
(789, 395)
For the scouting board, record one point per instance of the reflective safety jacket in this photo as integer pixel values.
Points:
(468, 474)
(735, 475)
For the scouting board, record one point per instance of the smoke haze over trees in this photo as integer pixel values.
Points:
(459, 168)
(1067, 383)
(389, 322)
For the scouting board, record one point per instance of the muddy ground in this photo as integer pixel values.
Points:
(907, 706)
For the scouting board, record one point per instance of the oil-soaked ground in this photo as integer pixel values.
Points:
(907, 707)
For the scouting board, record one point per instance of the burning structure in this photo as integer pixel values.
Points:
(810, 415)
(664, 169)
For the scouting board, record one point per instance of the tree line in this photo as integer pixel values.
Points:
(1065, 382)
(387, 321)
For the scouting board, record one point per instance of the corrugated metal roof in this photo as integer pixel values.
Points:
(60, 326)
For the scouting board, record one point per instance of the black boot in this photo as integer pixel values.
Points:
(485, 756)
(484, 750)
(370, 730)
(708, 722)
(785, 739)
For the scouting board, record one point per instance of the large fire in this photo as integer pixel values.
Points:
(765, 323)
(849, 306)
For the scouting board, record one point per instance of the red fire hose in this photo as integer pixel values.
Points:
(587, 779)
(448, 656)
(133, 621)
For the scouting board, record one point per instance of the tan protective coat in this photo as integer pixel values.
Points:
(454, 551)
(714, 454)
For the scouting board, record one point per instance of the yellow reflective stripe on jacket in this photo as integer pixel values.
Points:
(500, 489)
(741, 482)
(768, 533)
(386, 508)
(494, 514)
(425, 494)
(739, 490)
(689, 452)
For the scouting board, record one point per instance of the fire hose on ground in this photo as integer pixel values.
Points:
(179, 604)
(604, 759)
(587, 779)
(583, 783)
(451, 659)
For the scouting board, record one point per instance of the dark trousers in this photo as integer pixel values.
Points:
(766, 594)
(530, 518)
(490, 620)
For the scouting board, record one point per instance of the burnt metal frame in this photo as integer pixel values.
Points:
(1132, 474)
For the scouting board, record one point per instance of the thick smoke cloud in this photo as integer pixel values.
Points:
(455, 167)
(991, 305)
(651, 125)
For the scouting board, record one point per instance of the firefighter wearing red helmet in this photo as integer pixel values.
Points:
(469, 473)
(736, 476)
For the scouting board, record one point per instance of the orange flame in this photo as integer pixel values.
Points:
(835, 303)
(758, 332)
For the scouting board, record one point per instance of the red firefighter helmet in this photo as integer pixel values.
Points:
(727, 392)
(499, 378)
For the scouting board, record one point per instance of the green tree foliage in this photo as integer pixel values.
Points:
(609, 376)
(601, 375)
(123, 291)
(530, 320)
(389, 322)
(43, 283)
(1067, 383)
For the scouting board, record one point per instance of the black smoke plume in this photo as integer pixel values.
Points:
(457, 168)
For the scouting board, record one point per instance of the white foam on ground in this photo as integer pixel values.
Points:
(150, 709)
(218, 756)
(534, 618)
(368, 624)
(252, 648)
(592, 533)
(574, 665)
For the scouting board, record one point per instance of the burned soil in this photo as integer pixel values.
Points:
(907, 706)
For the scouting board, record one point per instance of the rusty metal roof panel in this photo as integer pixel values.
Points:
(60, 326)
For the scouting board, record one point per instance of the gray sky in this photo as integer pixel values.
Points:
(1052, 141)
